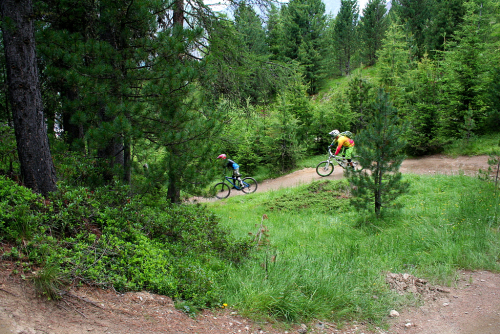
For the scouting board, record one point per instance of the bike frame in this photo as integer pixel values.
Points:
(342, 162)
(232, 181)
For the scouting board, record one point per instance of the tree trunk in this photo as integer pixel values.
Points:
(173, 190)
(37, 168)
(378, 190)
(179, 12)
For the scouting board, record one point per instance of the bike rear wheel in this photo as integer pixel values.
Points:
(324, 168)
(222, 190)
(249, 185)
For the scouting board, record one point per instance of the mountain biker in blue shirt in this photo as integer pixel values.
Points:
(234, 166)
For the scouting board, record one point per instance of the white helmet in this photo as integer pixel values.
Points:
(334, 133)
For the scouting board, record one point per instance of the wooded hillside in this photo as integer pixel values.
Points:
(150, 92)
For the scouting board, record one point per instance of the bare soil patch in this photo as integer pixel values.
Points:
(470, 307)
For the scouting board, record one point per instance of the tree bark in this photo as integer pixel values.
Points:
(37, 168)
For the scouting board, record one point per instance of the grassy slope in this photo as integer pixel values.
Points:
(319, 263)
(324, 260)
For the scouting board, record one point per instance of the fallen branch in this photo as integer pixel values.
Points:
(8, 292)
(83, 299)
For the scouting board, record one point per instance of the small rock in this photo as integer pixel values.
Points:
(320, 325)
(446, 304)
(394, 313)
(408, 324)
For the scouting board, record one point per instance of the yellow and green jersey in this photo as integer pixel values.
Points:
(343, 141)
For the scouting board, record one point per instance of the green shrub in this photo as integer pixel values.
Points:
(9, 162)
(106, 237)
(78, 169)
(20, 211)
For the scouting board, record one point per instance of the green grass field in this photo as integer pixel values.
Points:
(320, 259)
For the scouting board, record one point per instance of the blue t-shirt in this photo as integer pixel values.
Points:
(232, 164)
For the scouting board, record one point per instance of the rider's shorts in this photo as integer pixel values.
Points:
(348, 152)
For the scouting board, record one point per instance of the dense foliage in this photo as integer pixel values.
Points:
(110, 239)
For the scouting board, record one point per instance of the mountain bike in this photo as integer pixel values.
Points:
(325, 168)
(223, 189)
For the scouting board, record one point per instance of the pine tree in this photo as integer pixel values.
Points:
(330, 64)
(249, 26)
(136, 77)
(414, 15)
(260, 80)
(380, 146)
(280, 143)
(303, 26)
(359, 94)
(394, 60)
(422, 102)
(372, 27)
(446, 18)
(467, 75)
(274, 33)
(345, 34)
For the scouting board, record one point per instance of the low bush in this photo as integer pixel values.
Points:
(107, 238)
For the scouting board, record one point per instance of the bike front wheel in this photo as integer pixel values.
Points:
(222, 190)
(249, 185)
(324, 168)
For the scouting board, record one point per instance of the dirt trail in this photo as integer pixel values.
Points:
(435, 164)
(471, 307)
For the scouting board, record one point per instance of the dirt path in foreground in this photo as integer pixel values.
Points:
(470, 307)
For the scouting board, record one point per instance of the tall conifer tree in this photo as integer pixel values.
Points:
(414, 16)
(394, 60)
(467, 65)
(372, 27)
(303, 25)
(446, 18)
(346, 35)
(135, 71)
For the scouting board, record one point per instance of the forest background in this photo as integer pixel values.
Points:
(140, 97)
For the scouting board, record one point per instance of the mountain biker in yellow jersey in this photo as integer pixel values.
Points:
(343, 143)
(234, 166)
